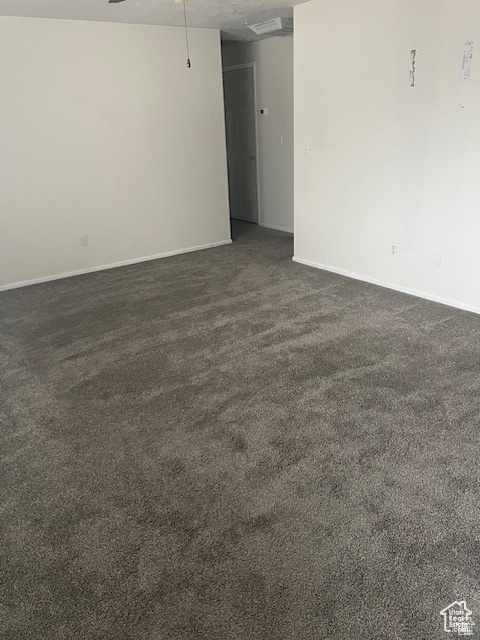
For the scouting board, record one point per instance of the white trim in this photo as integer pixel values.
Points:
(257, 143)
(412, 292)
(113, 265)
(252, 65)
(276, 227)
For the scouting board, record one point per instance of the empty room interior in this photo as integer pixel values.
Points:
(239, 319)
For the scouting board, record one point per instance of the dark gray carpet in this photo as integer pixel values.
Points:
(227, 445)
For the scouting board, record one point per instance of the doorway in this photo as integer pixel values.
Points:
(241, 133)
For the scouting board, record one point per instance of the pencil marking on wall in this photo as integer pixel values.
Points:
(413, 60)
(467, 60)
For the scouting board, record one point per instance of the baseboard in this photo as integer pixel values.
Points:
(274, 226)
(113, 265)
(412, 292)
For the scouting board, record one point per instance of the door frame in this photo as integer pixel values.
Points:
(253, 66)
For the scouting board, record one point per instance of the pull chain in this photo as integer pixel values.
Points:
(189, 64)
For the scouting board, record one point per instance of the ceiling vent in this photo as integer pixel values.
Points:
(274, 27)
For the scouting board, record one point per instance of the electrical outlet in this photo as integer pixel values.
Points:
(83, 240)
(306, 146)
(436, 261)
(394, 249)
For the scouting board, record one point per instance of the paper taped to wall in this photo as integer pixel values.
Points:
(467, 60)
(413, 57)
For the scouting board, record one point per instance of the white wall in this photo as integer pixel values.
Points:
(387, 162)
(274, 69)
(105, 132)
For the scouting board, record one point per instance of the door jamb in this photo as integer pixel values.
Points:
(252, 65)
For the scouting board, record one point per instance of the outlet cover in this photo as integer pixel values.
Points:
(83, 240)
(436, 261)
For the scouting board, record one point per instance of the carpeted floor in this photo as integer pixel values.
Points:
(226, 445)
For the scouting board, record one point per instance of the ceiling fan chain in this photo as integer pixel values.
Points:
(189, 64)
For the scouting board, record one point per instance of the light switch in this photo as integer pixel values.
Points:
(306, 147)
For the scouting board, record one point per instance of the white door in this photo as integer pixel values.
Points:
(240, 127)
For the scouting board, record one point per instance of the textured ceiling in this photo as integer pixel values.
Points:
(230, 16)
